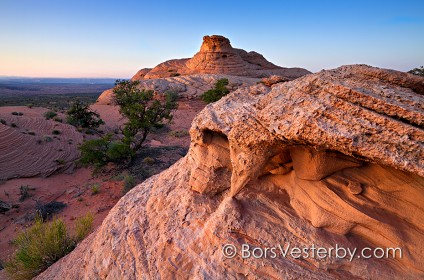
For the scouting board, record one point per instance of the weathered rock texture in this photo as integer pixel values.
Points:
(140, 74)
(187, 87)
(332, 158)
(217, 56)
(30, 149)
(217, 59)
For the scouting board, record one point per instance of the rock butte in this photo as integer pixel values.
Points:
(216, 59)
(217, 56)
(335, 157)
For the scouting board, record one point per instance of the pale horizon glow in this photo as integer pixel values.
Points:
(105, 39)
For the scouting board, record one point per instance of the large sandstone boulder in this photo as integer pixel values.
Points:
(331, 159)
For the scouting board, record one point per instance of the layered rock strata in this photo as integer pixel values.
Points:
(216, 59)
(217, 56)
(29, 147)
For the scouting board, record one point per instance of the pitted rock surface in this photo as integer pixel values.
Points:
(335, 157)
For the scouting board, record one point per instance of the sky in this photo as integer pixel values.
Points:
(90, 38)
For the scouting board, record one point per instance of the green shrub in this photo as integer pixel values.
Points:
(50, 115)
(149, 160)
(83, 226)
(30, 105)
(80, 115)
(98, 152)
(39, 246)
(24, 192)
(47, 210)
(43, 244)
(47, 139)
(3, 121)
(129, 183)
(95, 189)
(118, 152)
(94, 152)
(13, 125)
(216, 93)
(142, 110)
(57, 119)
(118, 177)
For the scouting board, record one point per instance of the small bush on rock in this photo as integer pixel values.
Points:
(216, 93)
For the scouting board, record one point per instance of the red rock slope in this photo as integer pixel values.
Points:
(29, 146)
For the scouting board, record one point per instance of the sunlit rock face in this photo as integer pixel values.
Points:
(217, 59)
(217, 56)
(332, 158)
(187, 87)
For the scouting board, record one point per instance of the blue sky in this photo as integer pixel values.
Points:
(75, 38)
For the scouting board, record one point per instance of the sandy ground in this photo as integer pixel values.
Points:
(31, 146)
(75, 189)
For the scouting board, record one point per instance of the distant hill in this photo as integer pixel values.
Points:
(30, 80)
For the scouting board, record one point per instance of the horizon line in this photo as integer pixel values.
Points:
(52, 77)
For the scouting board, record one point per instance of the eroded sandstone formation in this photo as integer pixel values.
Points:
(29, 147)
(217, 59)
(187, 87)
(331, 158)
(217, 56)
